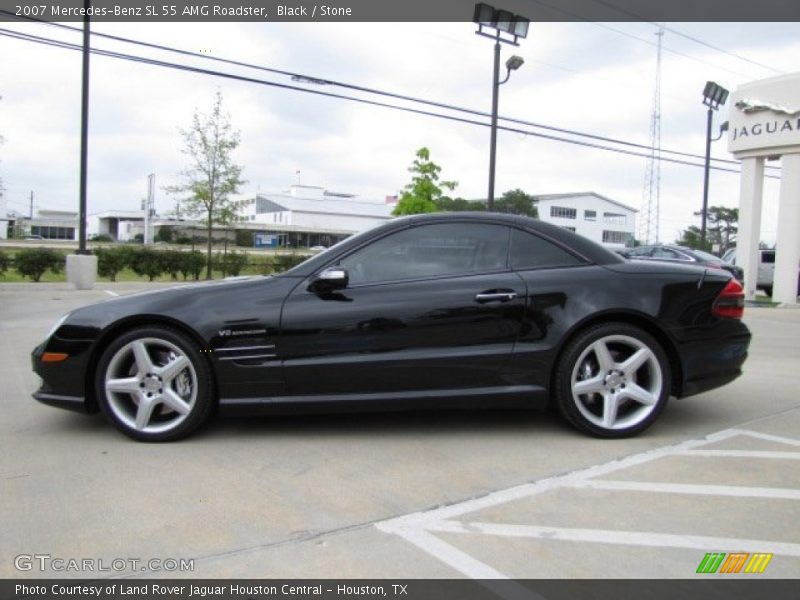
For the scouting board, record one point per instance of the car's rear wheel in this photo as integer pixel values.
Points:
(153, 385)
(613, 380)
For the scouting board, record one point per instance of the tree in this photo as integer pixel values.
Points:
(459, 204)
(425, 189)
(517, 202)
(4, 262)
(146, 262)
(722, 227)
(721, 230)
(166, 233)
(690, 237)
(213, 177)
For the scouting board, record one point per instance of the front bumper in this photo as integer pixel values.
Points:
(63, 383)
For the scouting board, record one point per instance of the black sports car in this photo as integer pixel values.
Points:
(458, 310)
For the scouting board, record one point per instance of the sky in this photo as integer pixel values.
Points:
(597, 78)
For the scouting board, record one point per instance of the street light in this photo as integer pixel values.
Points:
(714, 96)
(508, 28)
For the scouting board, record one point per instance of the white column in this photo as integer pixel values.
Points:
(787, 241)
(750, 196)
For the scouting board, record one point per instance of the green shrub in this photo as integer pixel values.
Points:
(111, 261)
(264, 265)
(5, 262)
(139, 238)
(166, 233)
(33, 262)
(172, 262)
(231, 263)
(101, 237)
(284, 262)
(191, 263)
(183, 239)
(147, 262)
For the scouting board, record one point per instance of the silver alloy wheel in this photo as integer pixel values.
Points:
(617, 382)
(151, 385)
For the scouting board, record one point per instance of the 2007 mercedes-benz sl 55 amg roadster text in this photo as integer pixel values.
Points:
(442, 310)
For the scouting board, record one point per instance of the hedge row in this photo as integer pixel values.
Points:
(146, 262)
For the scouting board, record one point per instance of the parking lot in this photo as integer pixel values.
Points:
(441, 494)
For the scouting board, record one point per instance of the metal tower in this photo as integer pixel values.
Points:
(649, 215)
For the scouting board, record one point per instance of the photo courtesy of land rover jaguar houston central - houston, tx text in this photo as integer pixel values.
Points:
(458, 310)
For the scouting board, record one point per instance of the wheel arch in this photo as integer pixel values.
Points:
(644, 322)
(126, 324)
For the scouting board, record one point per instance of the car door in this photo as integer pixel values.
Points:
(430, 307)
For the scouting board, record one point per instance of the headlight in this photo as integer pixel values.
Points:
(55, 327)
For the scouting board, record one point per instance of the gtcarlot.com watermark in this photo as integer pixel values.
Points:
(47, 562)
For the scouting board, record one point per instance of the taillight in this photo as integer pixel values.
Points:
(730, 302)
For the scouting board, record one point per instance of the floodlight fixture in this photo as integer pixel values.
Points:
(509, 28)
(714, 95)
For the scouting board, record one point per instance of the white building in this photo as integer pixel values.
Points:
(312, 209)
(591, 215)
(3, 216)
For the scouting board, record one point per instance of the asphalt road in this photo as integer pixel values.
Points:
(443, 494)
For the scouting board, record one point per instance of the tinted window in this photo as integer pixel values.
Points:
(429, 251)
(641, 251)
(667, 253)
(529, 251)
(768, 257)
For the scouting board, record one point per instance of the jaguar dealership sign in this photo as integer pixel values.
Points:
(765, 116)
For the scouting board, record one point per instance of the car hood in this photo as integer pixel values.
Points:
(184, 302)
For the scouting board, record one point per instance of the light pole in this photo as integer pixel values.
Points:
(508, 28)
(714, 96)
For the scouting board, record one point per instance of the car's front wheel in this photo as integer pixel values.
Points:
(613, 380)
(153, 384)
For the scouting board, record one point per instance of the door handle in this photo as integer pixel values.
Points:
(495, 296)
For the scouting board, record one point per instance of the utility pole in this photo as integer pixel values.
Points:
(84, 132)
(30, 212)
(650, 214)
(148, 207)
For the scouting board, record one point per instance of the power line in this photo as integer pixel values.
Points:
(198, 70)
(323, 81)
(638, 17)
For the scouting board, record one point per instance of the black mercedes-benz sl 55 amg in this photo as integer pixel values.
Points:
(442, 310)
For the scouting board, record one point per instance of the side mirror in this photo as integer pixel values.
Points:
(331, 279)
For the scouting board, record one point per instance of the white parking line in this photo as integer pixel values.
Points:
(110, 293)
(768, 437)
(611, 536)
(417, 527)
(689, 488)
(742, 454)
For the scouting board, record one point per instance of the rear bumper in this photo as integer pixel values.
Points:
(712, 363)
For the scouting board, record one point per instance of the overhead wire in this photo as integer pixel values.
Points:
(188, 68)
(300, 77)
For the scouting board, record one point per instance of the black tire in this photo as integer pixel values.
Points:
(186, 386)
(586, 411)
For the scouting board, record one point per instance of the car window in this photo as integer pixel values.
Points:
(707, 256)
(430, 251)
(640, 252)
(666, 253)
(529, 251)
(730, 256)
(768, 257)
